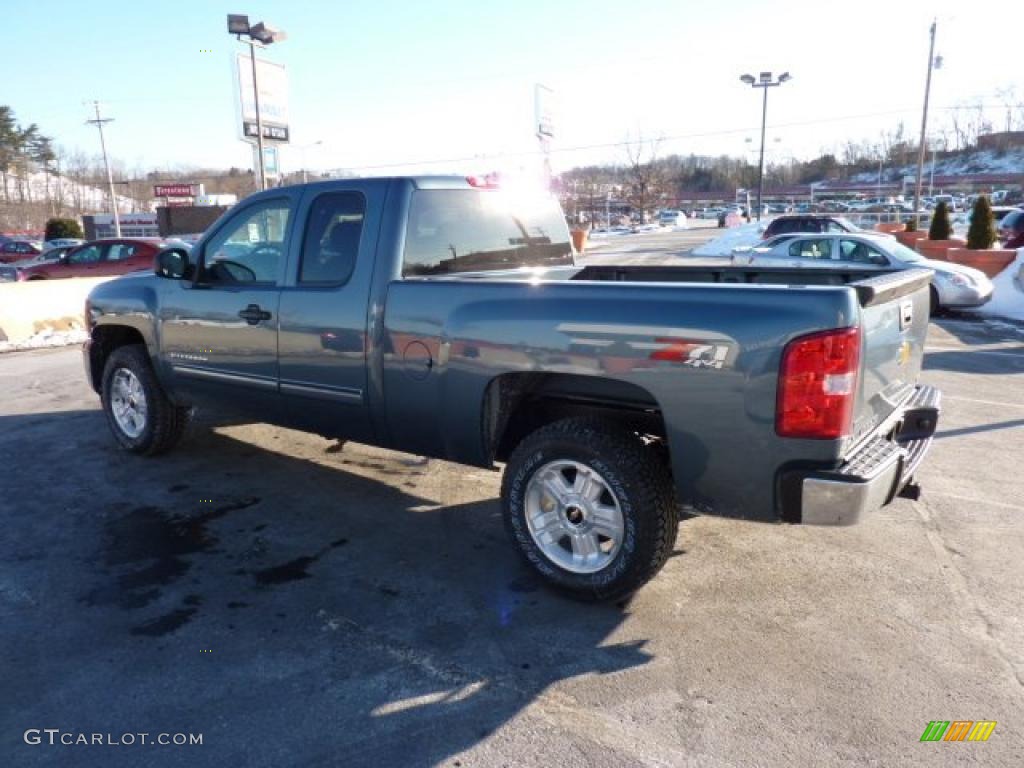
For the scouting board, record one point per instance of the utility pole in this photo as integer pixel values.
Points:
(924, 125)
(931, 180)
(98, 122)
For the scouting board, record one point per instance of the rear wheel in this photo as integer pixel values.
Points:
(591, 508)
(141, 417)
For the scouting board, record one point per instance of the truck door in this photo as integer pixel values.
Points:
(219, 333)
(323, 310)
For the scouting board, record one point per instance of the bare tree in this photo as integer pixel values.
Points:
(643, 173)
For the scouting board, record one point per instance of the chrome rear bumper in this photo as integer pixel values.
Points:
(881, 469)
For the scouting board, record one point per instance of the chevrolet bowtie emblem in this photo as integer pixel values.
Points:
(904, 352)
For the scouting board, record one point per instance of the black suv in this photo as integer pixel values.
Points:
(802, 222)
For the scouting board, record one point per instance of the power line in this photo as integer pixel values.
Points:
(580, 148)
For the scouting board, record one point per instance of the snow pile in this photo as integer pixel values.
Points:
(745, 235)
(1008, 298)
(47, 338)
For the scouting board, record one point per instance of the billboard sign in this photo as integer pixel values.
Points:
(273, 83)
(543, 101)
(270, 132)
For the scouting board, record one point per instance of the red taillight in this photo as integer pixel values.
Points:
(490, 181)
(818, 384)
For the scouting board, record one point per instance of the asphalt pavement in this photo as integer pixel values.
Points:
(300, 603)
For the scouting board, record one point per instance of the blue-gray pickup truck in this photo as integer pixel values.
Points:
(445, 318)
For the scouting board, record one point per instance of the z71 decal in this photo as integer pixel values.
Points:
(695, 354)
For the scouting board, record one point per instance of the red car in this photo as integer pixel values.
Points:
(98, 258)
(18, 250)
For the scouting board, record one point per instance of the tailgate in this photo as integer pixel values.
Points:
(894, 321)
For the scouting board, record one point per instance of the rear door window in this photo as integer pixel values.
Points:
(121, 251)
(331, 242)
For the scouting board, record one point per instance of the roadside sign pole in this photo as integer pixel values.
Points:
(261, 168)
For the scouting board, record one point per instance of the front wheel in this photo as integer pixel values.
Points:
(141, 417)
(591, 507)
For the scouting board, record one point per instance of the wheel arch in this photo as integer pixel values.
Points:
(104, 339)
(517, 404)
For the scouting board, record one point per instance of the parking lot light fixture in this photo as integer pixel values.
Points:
(262, 35)
(764, 82)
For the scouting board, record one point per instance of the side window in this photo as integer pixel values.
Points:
(811, 248)
(330, 244)
(472, 230)
(90, 254)
(121, 251)
(250, 247)
(861, 253)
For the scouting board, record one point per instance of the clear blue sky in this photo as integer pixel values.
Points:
(391, 82)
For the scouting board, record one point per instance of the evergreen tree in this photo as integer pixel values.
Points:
(940, 228)
(982, 233)
(62, 228)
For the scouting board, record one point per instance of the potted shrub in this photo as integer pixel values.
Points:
(892, 227)
(981, 236)
(579, 239)
(940, 232)
(909, 234)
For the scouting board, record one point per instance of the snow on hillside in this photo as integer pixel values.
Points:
(985, 161)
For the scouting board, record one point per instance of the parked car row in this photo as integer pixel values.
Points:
(99, 258)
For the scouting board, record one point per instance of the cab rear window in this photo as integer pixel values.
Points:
(455, 230)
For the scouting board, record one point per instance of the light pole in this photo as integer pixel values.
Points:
(764, 82)
(261, 35)
(933, 63)
(302, 154)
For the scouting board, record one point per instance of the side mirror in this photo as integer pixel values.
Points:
(172, 263)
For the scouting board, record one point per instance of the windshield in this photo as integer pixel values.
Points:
(454, 230)
(849, 225)
(902, 253)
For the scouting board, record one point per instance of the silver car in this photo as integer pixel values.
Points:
(954, 286)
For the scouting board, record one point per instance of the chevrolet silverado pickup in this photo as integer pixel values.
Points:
(442, 317)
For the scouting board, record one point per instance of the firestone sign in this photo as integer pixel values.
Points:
(177, 190)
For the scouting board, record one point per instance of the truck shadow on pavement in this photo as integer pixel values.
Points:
(288, 608)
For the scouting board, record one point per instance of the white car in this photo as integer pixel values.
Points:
(672, 219)
(953, 287)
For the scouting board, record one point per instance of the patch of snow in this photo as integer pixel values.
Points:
(745, 235)
(48, 338)
(1008, 298)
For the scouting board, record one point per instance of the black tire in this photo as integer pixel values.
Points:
(641, 482)
(934, 307)
(165, 422)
